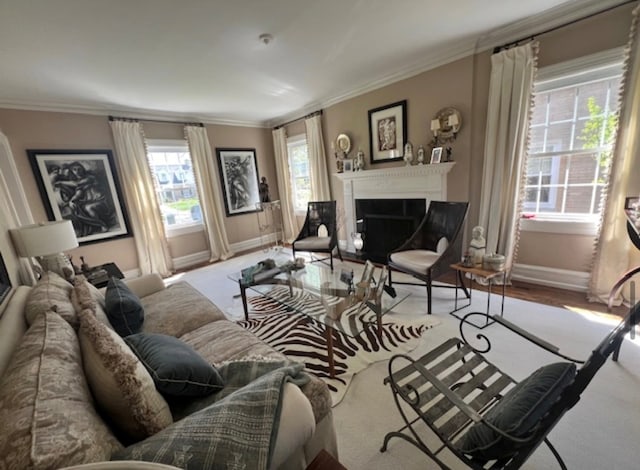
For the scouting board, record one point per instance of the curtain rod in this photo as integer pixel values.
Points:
(569, 23)
(118, 118)
(315, 113)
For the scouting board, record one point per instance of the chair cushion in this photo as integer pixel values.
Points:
(518, 412)
(46, 409)
(176, 368)
(312, 243)
(121, 384)
(418, 261)
(124, 308)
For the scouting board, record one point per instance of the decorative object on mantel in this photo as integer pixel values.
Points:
(347, 164)
(421, 155)
(387, 132)
(436, 155)
(408, 154)
(340, 150)
(358, 164)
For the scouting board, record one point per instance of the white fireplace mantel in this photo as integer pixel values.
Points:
(427, 182)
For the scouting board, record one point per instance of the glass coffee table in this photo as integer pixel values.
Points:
(328, 298)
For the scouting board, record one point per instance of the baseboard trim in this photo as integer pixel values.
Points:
(552, 277)
(253, 243)
(192, 259)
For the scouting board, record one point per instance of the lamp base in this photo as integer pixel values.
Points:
(56, 263)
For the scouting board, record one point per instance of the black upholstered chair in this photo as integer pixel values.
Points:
(319, 233)
(433, 247)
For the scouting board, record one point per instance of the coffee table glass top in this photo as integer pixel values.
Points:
(321, 295)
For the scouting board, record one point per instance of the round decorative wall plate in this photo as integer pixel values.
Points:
(343, 142)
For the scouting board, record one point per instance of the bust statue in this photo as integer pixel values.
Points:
(478, 245)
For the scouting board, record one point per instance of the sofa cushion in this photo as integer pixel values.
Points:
(178, 309)
(175, 367)
(85, 295)
(46, 409)
(122, 386)
(518, 412)
(124, 309)
(51, 292)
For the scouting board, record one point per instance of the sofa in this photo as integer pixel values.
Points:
(76, 393)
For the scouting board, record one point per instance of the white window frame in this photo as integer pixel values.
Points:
(175, 145)
(295, 141)
(606, 64)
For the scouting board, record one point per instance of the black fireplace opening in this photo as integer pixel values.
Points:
(386, 224)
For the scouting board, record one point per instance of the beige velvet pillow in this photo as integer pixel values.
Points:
(85, 295)
(51, 292)
(121, 384)
(47, 414)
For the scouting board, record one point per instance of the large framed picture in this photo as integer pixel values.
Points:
(239, 175)
(5, 282)
(81, 186)
(388, 132)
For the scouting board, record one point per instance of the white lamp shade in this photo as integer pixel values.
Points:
(435, 124)
(44, 238)
(453, 120)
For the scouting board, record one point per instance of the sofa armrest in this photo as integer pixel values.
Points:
(122, 465)
(146, 284)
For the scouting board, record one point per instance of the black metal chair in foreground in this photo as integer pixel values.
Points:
(433, 247)
(478, 412)
(319, 214)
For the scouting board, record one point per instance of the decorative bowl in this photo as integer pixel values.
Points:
(493, 262)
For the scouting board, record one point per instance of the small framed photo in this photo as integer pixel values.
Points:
(240, 185)
(436, 155)
(347, 164)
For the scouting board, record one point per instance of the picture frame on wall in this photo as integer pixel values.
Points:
(5, 282)
(239, 176)
(81, 186)
(388, 132)
(436, 155)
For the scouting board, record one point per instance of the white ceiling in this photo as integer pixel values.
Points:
(202, 59)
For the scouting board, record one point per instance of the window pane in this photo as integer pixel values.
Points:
(300, 177)
(559, 137)
(175, 187)
(561, 104)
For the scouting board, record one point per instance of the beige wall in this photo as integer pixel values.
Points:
(48, 130)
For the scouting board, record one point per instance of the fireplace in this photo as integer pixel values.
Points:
(386, 224)
(422, 182)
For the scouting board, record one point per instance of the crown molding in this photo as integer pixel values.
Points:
(126, 112)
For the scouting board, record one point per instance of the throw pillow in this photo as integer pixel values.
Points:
(51, 292)
(124, 309)
(46, 409)
(518, 412)
(122, 386)
(176, 369)
(85, 295)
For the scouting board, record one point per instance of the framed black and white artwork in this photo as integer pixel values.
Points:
(239, 175)
(5, 282)
(81, 186)
(388, 132)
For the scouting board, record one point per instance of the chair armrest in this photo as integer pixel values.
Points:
(146, 284)
(541, 343)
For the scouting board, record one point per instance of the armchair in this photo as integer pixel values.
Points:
(311, 237)
(433, 247)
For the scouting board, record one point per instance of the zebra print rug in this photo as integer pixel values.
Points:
(303, 339)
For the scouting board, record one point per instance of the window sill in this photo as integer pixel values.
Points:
(183, 230)
(559, 226)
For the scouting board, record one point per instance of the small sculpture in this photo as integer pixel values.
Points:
(420, 155)
(263, 189)
(478, 245)
(359, 163)
(408, 153)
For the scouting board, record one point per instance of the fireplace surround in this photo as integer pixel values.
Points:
(425, 182)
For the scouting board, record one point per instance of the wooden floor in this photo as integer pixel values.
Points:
(549, 296)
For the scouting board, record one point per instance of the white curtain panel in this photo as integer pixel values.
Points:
(320, 189)
(209, 190)
(614, 253)
(14, 208)
(510, 90)
(289, 222)
(139, 192)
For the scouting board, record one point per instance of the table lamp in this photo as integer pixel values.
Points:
(46, 242)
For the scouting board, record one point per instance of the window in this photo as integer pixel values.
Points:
(299, 169)
(571, 138)
(176, 190)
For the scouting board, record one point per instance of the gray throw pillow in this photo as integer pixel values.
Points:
(518, 412)
(176, 368)
(123, 308)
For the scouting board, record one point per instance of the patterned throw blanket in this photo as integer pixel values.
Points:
(236, 432)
